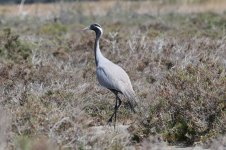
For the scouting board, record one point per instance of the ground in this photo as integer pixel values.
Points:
(173, 51)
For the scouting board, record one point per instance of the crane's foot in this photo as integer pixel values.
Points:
(109, 121)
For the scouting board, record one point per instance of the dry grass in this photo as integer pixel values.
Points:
(50, 98)
(92, 8)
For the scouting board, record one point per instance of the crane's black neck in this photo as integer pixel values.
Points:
(96, 46)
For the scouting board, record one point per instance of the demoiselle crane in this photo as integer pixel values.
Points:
(112, 76)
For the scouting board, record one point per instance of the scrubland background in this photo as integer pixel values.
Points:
(175, 55)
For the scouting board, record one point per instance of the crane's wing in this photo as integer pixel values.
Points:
(114, 77)
(104, 78)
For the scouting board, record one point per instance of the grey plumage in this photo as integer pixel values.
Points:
(112, 76)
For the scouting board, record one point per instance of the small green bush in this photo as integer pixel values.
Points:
(12, 48)
(190, 105)
(53, 29)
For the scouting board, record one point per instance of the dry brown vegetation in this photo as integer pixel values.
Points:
(50, 98)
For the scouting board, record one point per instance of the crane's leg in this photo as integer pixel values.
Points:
(116, 108)
(115, 111)
(110, 120)
(119, 100)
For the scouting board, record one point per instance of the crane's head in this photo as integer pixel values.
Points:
(95, 27)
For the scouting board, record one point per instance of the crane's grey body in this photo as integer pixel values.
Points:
(112, 76)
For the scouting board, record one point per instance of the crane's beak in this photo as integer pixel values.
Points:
(87, 28)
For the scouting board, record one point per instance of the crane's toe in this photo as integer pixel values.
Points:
(109, 121)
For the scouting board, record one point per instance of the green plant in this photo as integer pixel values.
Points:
(13, 49)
